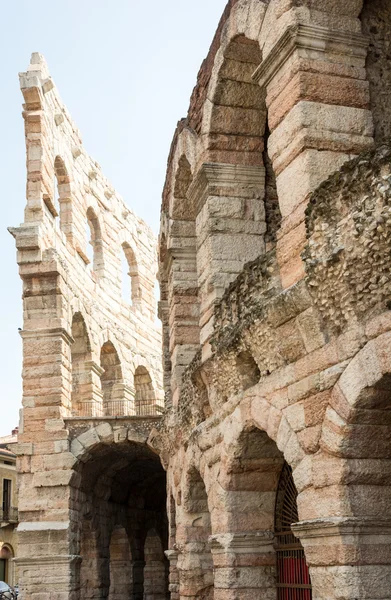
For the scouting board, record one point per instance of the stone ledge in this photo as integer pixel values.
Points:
(309, 37)
(337, 526)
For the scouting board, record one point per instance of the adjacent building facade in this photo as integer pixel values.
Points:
(8, 509)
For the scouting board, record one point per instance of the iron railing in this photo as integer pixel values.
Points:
(9, 515)
(293, 578)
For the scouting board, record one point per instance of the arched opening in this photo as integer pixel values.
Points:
(376, 25)
(238, 114)
(131, 283)
(184, 308)
(118, 494)
(145, 397)
(293, 577)
(6, 564)
(183, 178)
(94, 243)
(196, 573)
(155, 570)
(248, 489)
(111, 380)
(82, 393)
(61, 205)
(121, 572)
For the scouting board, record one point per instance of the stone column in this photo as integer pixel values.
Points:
(349, 557)
(138, 579)
(183, 318)
(44, 462)
(121, 403)
(173, 586)
(195, 569)
(91, 395)
(230, 227)
(318, 112)
(244, 565)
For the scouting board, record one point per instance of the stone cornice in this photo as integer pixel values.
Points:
(27, 236)
(242, 542)
(52, 560)
(212, 176)
(95, 368)
(337, 526)
(47, 333)
(309, 37)
(176, 253)
(172, 555)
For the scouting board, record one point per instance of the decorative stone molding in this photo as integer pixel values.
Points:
(342, 526)
(43, 526)
(172, 555)
(242, 543)
(178, 253)
(95, 368)
(52, 560)
(313, 38)
(27, 237)
(211, 177)
(48, 333)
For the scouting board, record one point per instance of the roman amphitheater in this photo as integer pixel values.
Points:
(254, 460)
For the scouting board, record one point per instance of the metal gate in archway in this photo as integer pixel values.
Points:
(293, 577)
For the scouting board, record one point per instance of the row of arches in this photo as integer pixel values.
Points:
(127, 579)
(98, 390)
(119, 495)
(248, 544)
(90, 244)
(235, 122)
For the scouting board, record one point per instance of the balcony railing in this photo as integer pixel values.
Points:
(9, 515)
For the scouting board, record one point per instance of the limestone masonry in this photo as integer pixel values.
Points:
(264, 472)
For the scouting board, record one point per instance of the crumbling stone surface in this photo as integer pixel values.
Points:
(284, 389)
(276, 331)
(348, 226)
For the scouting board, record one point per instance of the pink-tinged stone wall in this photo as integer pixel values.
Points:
(290, 360)
(92, 373)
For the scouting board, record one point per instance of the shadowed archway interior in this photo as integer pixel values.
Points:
(120, 495)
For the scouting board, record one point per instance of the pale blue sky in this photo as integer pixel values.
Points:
(125, 69)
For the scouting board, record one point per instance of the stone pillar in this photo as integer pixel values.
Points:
(164, 317)
(244, 565)
(230, 227)
(46, 569)
(195, 569)
(90, 395)
(183, 301)
(318, 109)
(349, 557)
(121, 403)
(138, 579)
(173, 585)
(155, 581)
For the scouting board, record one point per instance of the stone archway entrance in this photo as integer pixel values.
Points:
(119, 495)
